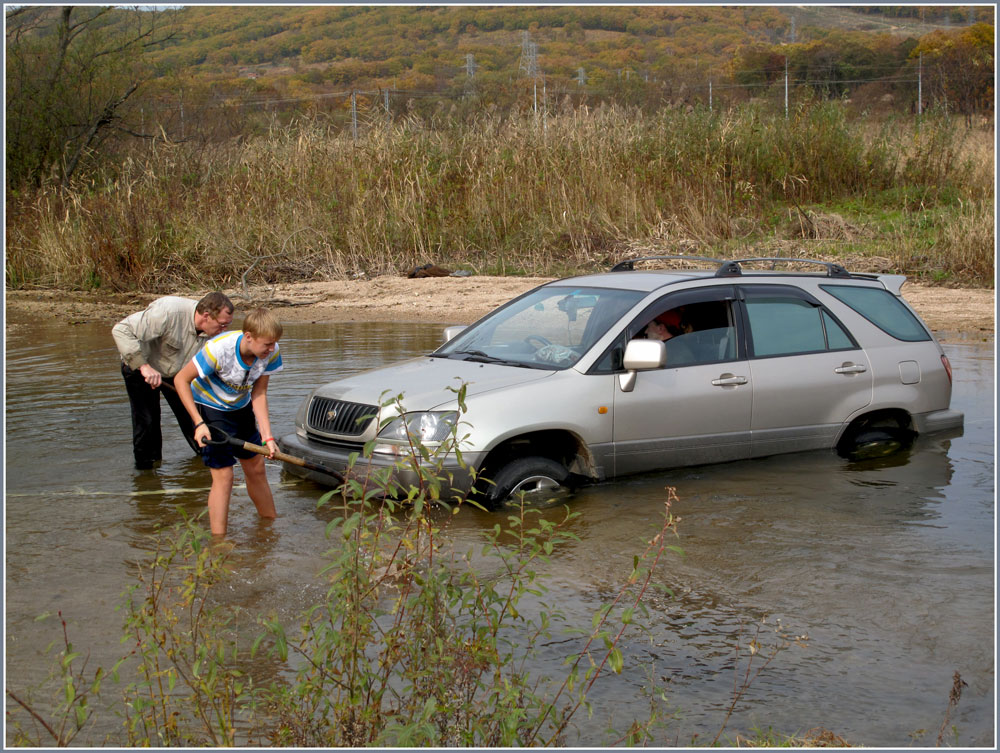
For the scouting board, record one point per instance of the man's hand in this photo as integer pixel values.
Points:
(153, 377)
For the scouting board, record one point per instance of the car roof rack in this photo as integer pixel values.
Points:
(629, 264)
(734, 267)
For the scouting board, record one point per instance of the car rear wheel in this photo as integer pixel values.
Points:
(538, 479)
(868, 441)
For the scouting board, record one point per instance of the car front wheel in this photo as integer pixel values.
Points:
(538, 479)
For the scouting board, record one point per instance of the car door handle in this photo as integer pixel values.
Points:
(727, 380)
(851, 368)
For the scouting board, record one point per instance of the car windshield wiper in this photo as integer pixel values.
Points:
(480, 356)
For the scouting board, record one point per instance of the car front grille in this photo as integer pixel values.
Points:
(329, 416)
(343, 445)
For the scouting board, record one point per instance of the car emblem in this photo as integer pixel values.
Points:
(331, 414)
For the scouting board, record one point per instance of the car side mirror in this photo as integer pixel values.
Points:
(641, 355)
(450, 333)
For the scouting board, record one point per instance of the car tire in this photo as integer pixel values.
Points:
(541, 479)
(867, 443)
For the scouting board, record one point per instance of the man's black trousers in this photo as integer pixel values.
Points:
(147, 440)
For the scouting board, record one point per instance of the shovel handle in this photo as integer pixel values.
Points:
(262, 450)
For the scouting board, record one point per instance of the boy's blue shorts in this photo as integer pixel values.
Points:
(238, 423)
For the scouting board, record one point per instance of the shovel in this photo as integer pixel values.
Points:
(262, 450)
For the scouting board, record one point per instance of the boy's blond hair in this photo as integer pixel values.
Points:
(262, 324)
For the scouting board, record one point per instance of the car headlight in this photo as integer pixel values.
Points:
(426, 428)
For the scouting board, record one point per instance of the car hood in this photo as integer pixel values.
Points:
(424, 382)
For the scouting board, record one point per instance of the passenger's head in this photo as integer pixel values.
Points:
(671, 320)
(665, 326)
(213, 313)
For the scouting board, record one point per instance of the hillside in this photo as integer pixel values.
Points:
(302, 52)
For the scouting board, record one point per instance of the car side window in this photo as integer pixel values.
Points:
(882, 309)
(694, 333)
(836, 338)
(781, 326)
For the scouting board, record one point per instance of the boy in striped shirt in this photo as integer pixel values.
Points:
(225, 385)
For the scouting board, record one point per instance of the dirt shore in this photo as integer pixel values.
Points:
(950, 312)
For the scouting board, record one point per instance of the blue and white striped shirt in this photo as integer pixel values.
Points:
(224, 379)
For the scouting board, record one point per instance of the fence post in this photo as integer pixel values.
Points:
(920, 84)
(786, 87)
(354, 115)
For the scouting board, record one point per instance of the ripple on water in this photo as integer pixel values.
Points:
(887, 567)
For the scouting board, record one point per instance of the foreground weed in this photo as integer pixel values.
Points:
(413, 643)
(814, 738)
(957, 683)
(412, 646)
(758, 658)
(189, 688)
(72, 712)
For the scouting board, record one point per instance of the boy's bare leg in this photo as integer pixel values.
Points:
(218, 499)
(257, 486)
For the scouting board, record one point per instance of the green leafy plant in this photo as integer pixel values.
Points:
(417, 645)
(72, 711)
(414, 643)
(189, 687)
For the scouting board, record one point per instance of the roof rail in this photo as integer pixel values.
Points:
(629, 264)
(734, 269)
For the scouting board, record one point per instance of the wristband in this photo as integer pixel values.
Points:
(201, 424)
(269, 439)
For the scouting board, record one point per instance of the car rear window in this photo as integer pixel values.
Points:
(882, 309)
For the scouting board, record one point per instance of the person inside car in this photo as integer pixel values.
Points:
(667, 326)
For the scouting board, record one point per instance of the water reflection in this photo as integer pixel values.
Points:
(159, 497)
(886, 563)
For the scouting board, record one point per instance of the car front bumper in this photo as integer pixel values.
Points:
(379, 469)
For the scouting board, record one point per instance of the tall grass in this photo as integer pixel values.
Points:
(566, 193)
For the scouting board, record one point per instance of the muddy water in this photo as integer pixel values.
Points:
(887, 567)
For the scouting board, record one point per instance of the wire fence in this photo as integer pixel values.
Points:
(354, 109)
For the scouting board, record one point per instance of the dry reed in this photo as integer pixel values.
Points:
(569, 193)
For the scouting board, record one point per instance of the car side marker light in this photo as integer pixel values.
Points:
(602, 409)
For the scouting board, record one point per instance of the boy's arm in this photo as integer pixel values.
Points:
(182, 383)
(258, 399)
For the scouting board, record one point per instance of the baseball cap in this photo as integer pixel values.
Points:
(670, 318)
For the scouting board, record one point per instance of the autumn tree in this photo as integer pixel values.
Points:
(71, 73)
(962, 67)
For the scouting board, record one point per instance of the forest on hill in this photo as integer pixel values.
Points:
(82, 80)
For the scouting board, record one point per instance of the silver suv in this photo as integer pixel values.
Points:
(603, 375)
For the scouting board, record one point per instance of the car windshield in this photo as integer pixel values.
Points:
(548, 328)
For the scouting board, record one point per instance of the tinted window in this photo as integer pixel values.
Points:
(783, 326)
(882, 309)
(836, 338)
